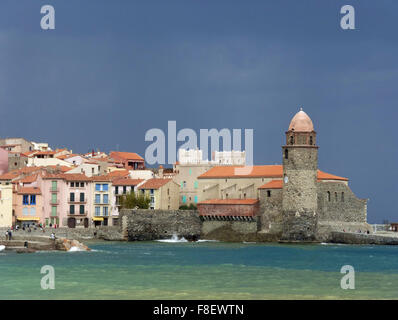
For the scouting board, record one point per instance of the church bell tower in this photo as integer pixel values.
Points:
(299, 192)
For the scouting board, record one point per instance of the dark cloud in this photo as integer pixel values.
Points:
(114, 69)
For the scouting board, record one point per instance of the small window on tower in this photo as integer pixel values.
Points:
(328, 193)
(342, 197)
(268, 193)
(291, 140)
(286, 154)
(335, 196)
(311, 142)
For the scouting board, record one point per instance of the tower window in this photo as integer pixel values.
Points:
(286, 154)
(328, 193)
(268, 193)
(291, 140)
(335, 196)
(342, 197)
(311, 141)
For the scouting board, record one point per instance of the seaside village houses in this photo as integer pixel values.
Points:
(294, 200)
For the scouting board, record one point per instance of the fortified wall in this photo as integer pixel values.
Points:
(146, 224)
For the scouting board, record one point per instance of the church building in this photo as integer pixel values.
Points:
(295, 200)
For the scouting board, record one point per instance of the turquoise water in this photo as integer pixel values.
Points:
(207, 270)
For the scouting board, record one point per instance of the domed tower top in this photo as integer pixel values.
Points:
(301, 122)
(301, 130)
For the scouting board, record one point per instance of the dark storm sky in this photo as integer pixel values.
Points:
(111, 70)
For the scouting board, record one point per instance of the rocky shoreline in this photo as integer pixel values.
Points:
(42, 243)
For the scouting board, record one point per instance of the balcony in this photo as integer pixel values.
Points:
(77, 214)
(54, 190)
(54, 202)
(101, 203)
(77, 201)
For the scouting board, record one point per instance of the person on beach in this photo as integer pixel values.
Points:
(52, 236)
(7, 235)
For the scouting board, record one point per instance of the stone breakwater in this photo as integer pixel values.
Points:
(41, 243)
(81, 234)
(358, 238)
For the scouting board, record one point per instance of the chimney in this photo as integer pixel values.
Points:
(160, 171)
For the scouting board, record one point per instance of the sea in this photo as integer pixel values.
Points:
(178, 269)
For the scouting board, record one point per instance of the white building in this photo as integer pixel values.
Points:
(194, 156)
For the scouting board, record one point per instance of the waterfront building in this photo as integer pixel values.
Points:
(164, 193)
(79, 200)
(27, 205)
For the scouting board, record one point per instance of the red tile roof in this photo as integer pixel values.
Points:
(266, 171)
(230, 201)
(75, 177)
(8, 176)
(102, 178)
(154, 183)
(53, 176)
(273, 184)
(118, 173)
(125, 155)
(29, 190)
(28, 179)
(327, 176)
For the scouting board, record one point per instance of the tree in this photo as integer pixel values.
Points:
(190, 207)
(133, 201)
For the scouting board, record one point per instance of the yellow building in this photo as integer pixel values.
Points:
(6, 205)
(164, 193)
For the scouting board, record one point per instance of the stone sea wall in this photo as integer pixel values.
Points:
(360, 238)
(145, 224)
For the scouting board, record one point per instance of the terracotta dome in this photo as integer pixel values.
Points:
(301, 122)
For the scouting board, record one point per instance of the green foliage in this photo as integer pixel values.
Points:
(190, 207)
(132, 201)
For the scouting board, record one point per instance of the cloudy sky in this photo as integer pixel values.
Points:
(111, 70)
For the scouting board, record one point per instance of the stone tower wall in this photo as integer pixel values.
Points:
(299, 193)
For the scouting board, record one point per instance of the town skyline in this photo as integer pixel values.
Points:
(94, 85)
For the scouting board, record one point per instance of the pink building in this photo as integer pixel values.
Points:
(67, 200)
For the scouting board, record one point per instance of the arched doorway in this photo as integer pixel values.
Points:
(86, 222)
(71, 222)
